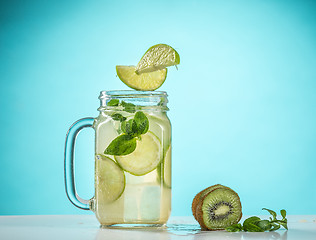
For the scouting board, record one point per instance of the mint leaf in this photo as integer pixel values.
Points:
(118, 117)
(250, 224)
(265, 225)
(252, 220)
(122, 145)
(284, 224)
(162, 101)
(142, 123)
(283, 213)
(113, 102)
(234, 228)
(129, 127)
(275, 227)
(128, 107)
(273, 213)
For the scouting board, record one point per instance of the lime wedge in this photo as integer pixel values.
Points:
(110, 179)
(144, 82)
(145, 158)
(156, 58)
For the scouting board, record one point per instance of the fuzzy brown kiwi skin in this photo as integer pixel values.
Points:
(199, 212)
(198, 196)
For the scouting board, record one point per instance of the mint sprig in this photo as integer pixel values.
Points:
(127, 107)
(113, 102)
(129, 127)
(118, 117)
(142, 123)
(255, 224)
(122, 145)
(132, 130)
(235, 228)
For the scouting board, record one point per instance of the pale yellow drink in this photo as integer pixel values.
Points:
(146, 199)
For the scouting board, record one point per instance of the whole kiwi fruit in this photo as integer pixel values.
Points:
(217, 207)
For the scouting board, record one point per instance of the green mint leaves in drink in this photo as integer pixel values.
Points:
(122, 145)
(142, 123)
(162, 101)
(255, 224)
(137, 126)
(118, 117)
(129, 127)
(113, 102)
(132, 129)
(128, 107)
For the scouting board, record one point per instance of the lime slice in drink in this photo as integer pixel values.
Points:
(158, 125)
(110, 179)
(144, 82)
(156, 58)
(164, 170)
(167, 168)
(145, 158)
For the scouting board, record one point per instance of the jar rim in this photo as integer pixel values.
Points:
(144, 99)
(132, 93)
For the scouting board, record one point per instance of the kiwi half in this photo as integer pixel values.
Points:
(200, 195)
(217, 207)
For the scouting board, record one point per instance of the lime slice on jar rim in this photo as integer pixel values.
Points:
(156, 58)
(145, 158)
(143, 82)
(110, 179)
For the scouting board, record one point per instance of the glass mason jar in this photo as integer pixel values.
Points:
(132, 159)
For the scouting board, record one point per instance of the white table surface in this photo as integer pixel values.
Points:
(77, 227)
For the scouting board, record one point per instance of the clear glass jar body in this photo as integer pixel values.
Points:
(146, 198)
(132, 159)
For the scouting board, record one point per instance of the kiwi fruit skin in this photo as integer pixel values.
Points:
(202, 194)
(198, 210)
(200, 213)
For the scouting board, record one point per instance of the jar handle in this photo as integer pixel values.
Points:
(69, 162)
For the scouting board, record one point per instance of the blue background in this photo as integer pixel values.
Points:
(243, 102)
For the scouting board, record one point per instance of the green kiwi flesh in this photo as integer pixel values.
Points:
(201, 194)
(219, 209)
